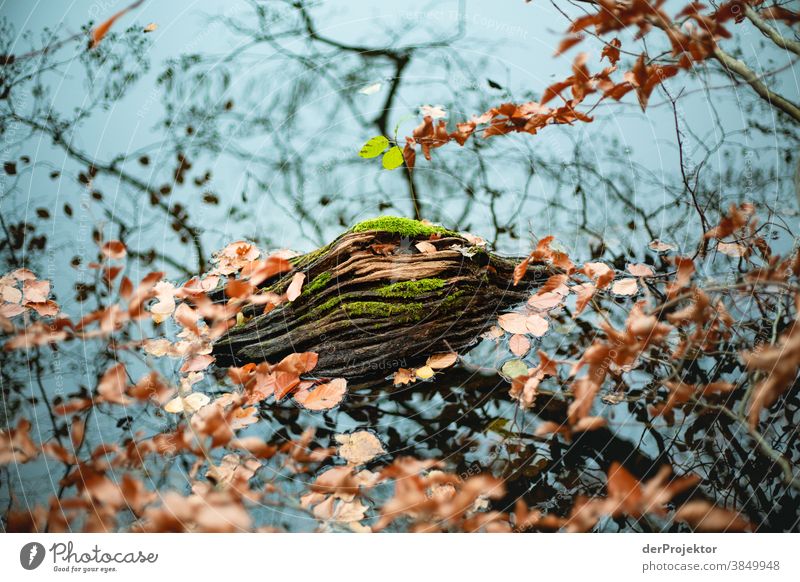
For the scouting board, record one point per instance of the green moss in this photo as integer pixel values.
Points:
(408, 289)
(401, 226)
(324, 308)
(317, 283)
(455, 299)
(404, 311)
(308, 258)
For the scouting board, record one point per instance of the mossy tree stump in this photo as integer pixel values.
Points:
(373, 302)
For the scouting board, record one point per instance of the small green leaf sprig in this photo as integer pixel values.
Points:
(392, 159)
(375, 146)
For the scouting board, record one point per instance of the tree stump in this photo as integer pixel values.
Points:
(375, 300)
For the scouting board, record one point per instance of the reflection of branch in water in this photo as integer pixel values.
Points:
(192, 233)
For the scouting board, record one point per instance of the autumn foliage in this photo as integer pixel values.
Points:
(656, 392)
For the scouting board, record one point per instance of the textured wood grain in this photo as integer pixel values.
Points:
(368, 313)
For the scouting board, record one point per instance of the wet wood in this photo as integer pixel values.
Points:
(373, 302)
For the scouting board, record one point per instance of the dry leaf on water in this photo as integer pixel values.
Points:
(626, 287)
(323, 397)
(190, 403)
(519, 345)
(513, 322)
(359, 447)
(661, 246)
(113, 249)
(403, 376)
(732, 249)
(439, 361)
(640, 270)
(536, 325)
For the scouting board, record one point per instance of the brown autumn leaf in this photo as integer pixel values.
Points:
(295, 287)
(189, 403)
(102, 29)
(513, 322)
(323, 397)
(589, 423)
(152, 27)
(519, 345)
(546, 301)
(16, 445)
(404, 376)
(536, 324)
(732, 249)
(737, 218)
(197, 363)
(624, 489)
(661, 246)
(359, 447)
(520, 270)
(625, 287)
(112, 385)
(297, 363)
(611, 51)
(780, 364)
(425, 247)
(567, 43)
(444, 360)
(35, 291)
(114, 249)
(640, 270)
(702, 516)
(585, 292)
(283, 384)
(600, 273)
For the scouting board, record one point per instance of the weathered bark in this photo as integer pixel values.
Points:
(373, 303)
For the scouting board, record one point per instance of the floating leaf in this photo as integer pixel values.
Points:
(625, 287)
(661, 246)
(536, 324)
(732, 249)
(374, 147)
(359, 447)
(393, 159)
(113, 249)
(439, 361)
(639, 270)
(190, 403)
(322, 397)
(546, 301)
(425, 373)
(519, 345)
(403, 376)
(514, 368)
(513, 322)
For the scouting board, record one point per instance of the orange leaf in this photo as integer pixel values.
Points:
(100, 32)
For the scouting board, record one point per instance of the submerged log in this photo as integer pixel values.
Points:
(374, 302)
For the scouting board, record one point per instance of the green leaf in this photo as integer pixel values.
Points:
(374, 147)
(393, 158)
(514, 368)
